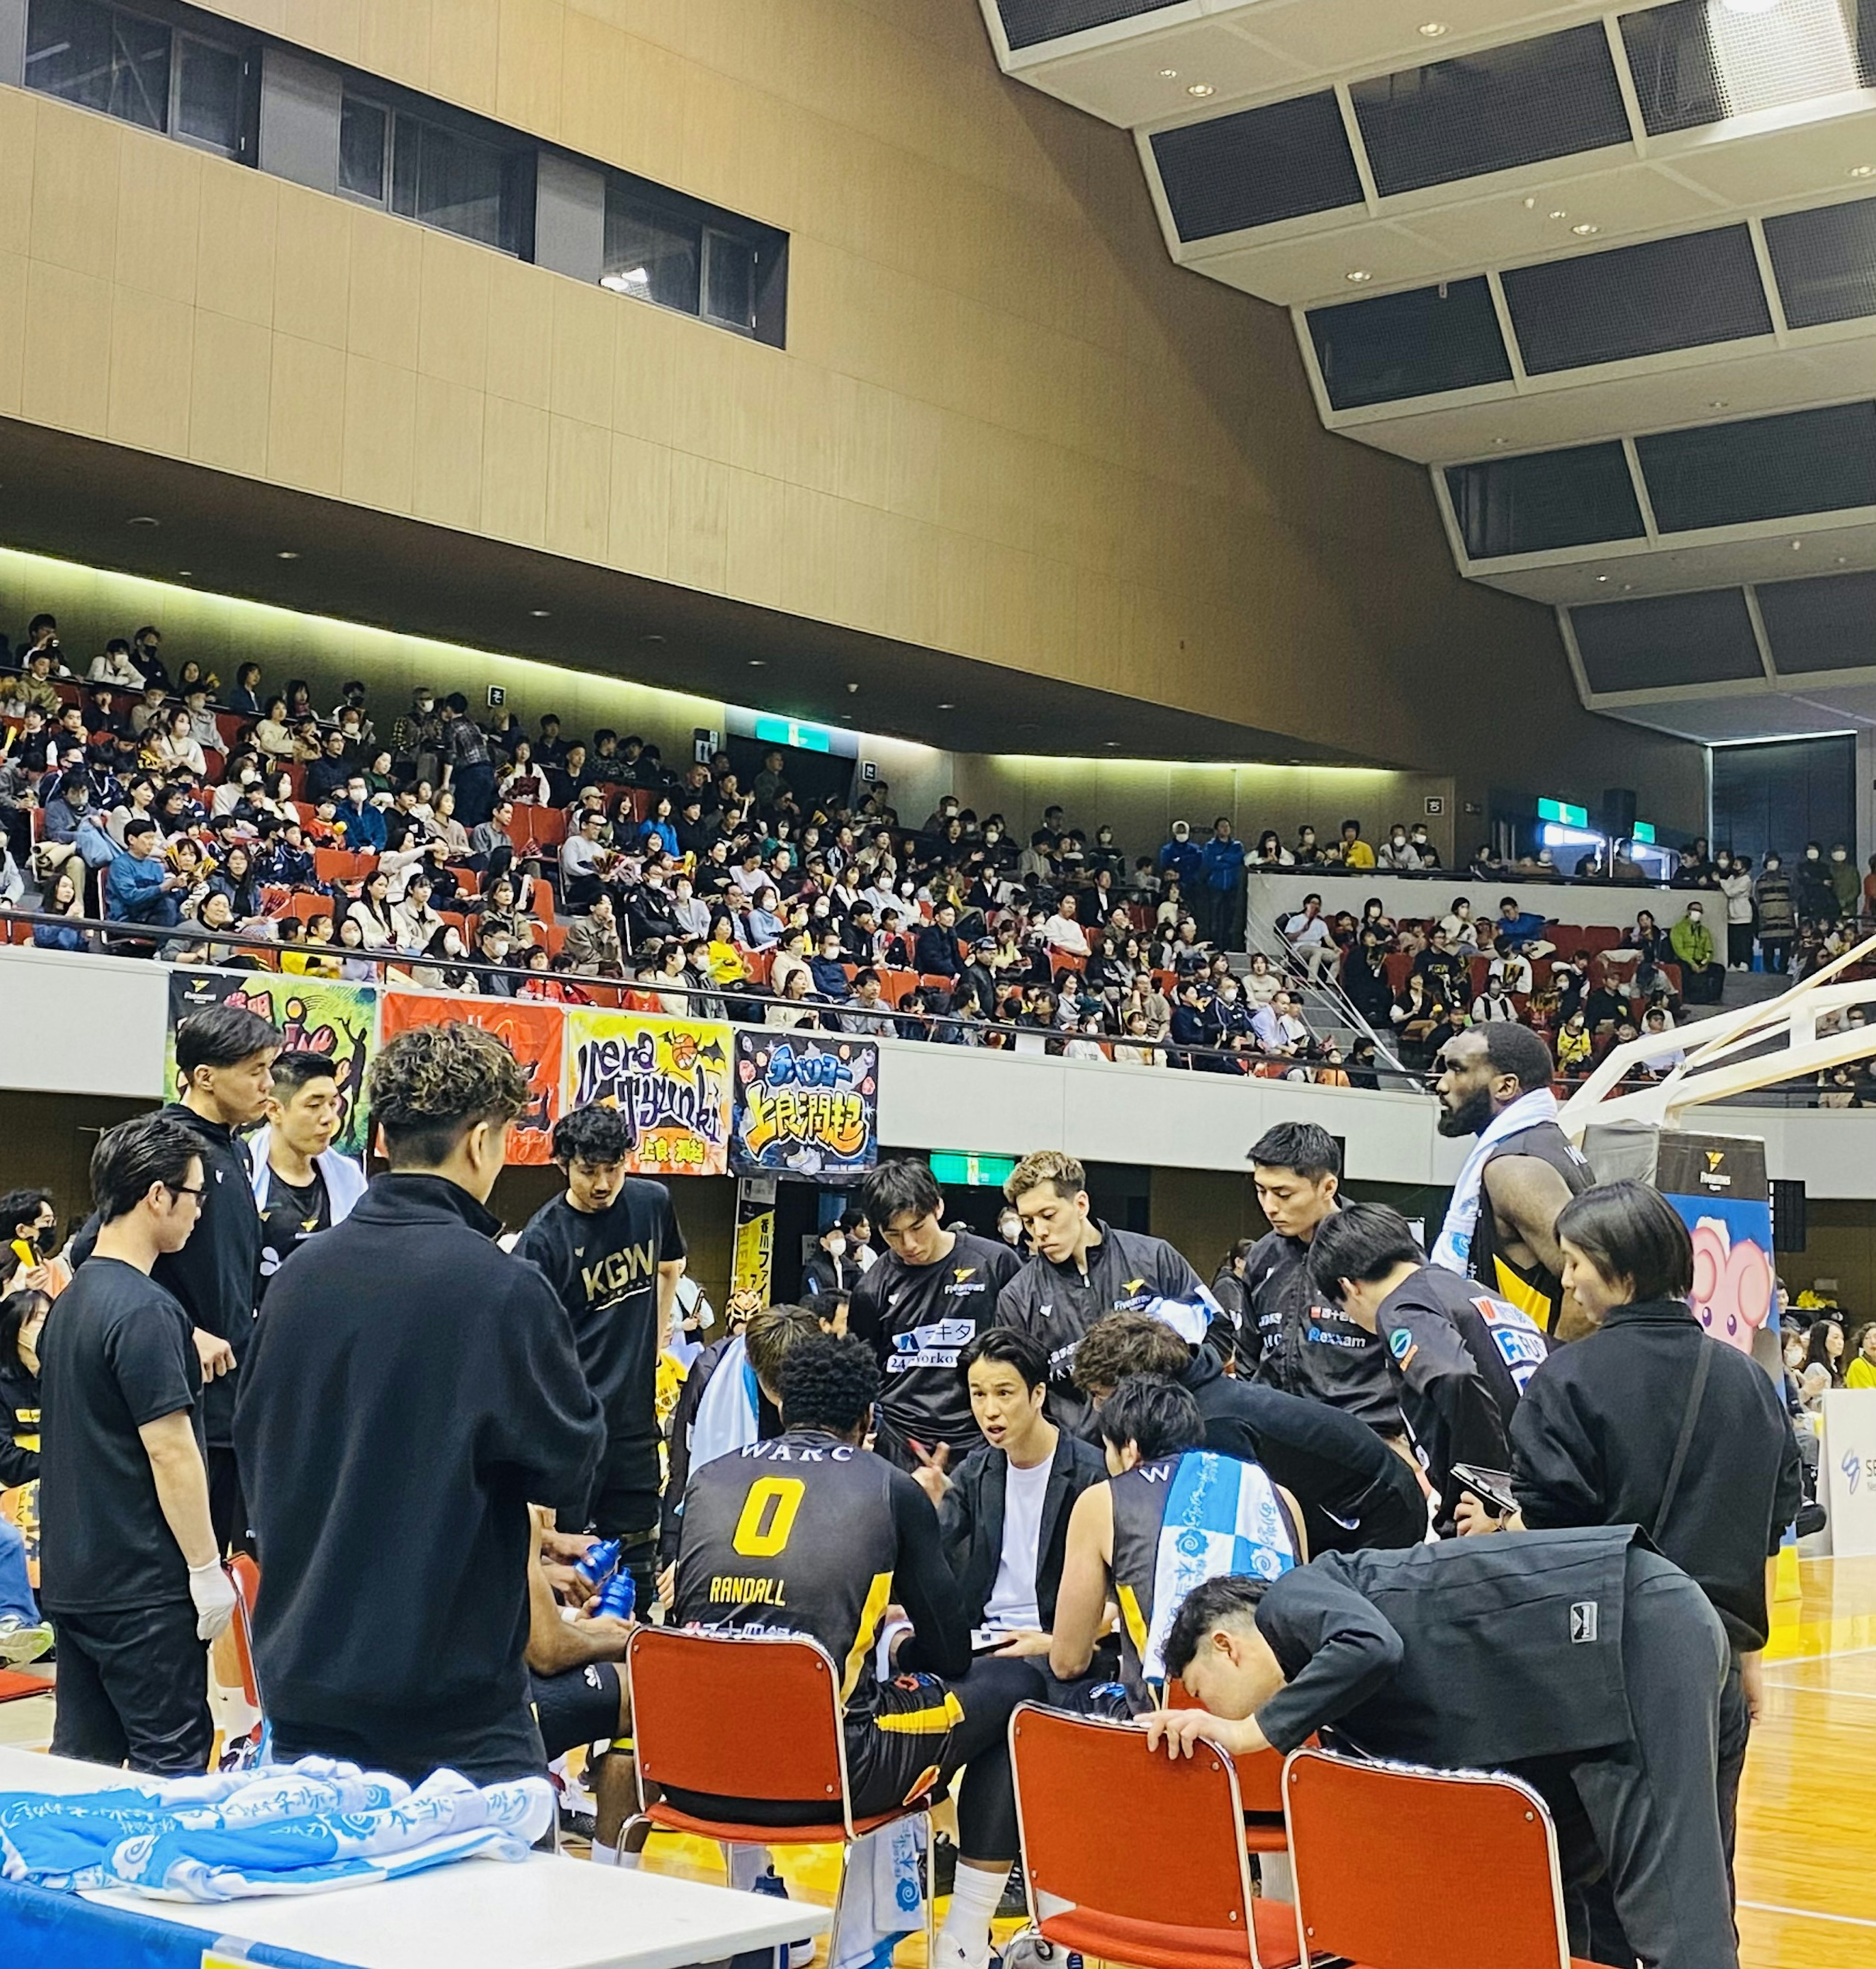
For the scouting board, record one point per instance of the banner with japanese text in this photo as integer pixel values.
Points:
(670, 1077)
(806, 1105)
(313, 1014)
(533, 1033)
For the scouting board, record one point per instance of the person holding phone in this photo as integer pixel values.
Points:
(1649, 1422)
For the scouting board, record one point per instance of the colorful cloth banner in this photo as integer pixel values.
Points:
(314, 1015)
(805, 1106)
(533, 1033)
(670, 1077)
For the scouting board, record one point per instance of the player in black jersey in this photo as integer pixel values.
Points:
(610, 1246)
(811, 1534)
(1461, 1358)
(918, 1306)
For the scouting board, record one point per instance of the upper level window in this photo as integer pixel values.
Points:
(141, 70)
(659, 250)
(430, 172)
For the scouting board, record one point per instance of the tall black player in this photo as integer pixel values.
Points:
(808, 1533)
(612, 1249)
(918, 1306)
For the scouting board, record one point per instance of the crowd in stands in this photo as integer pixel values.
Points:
(279, 833)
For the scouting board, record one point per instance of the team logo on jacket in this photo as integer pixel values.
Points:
(1400, 1343)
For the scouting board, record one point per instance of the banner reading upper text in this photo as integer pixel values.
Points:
(670, 1077)
(805, 1105)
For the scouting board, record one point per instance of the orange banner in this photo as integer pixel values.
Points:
(533, 1032)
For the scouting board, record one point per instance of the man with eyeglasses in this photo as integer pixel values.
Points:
(130, 1563)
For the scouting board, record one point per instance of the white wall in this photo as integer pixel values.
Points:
(95, 1025)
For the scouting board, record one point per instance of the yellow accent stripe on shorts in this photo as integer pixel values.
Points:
(1536, 1306)
(946, 1715)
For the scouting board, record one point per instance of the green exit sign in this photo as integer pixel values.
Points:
(787, 731)
(1562, 811)
(1645, 830)
(971, 1172)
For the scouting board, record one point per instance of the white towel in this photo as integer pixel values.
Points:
(727, 1414)
(1452, 1249)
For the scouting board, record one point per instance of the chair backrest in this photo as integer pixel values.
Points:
(246, 1575)
(694, 1697)
(1343, 1813)
(1260, 1773)
(1148, 1850)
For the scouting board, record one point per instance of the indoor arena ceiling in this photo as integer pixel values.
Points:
(1609, 273)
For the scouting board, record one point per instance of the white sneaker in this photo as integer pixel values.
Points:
(20, 1643)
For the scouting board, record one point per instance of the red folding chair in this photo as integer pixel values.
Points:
(1136, 1856)
(1343, 1813)
(695, 1700)
(1260, 1786)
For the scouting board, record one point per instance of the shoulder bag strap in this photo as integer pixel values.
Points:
(1702, 1368)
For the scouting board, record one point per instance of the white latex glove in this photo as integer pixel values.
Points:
(213, 1593)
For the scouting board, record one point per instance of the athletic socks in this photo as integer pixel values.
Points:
(607, 1856)
(964, 1942)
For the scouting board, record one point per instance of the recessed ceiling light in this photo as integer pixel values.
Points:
(1601, 577)
(1717, 402)
(1584, 230)
(651, 639)
(1559, 213)
(947, 707)
(1863, 171)
(286, 553)
(1629, 588)
(185, 574)
(1113, 744)
(846, 718)
(1433, 30)
(1199, 88)
(1796, 545)
(1169, 75)
(1359, 276)
(143, 519)
(1843, 560)
(1530, 205)
(540, 615)
(759, 662)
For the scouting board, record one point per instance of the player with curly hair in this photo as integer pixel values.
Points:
(811, 1534)
(411, 1391)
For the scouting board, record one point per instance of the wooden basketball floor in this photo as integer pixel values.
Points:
(1807, 1856)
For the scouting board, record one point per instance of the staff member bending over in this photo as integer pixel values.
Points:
(810, 1533)
(131, 1566)
(1004, 1513)
(1083, 1270)
(1612, 1713)
(612, 1250)
(1171, 1515)
(1460, 1356)
(918, 1306)
(1352, 1490)
(411, 1389)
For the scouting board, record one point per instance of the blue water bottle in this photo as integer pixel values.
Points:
(618, 1597)
(600, 1562)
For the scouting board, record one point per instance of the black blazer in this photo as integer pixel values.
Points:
(970, 1521)
(1469, 1655)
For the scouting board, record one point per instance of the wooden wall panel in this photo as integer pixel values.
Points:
(1004, 425)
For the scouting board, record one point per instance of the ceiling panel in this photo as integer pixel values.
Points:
(1124, 84)
(1319, 263)
(1655, 395)
(1811, 157)
(1627, 569)
(1714, 718)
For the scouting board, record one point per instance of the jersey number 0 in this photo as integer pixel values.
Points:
(754, 1540)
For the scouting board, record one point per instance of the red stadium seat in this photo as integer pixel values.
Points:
(1147, 1851)
(341, 864)
(1343, 1813)
(692, 1696)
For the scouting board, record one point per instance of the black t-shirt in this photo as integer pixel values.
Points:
(917, 1318)
(604, 1266)
(292, 1214)
(116, 1353)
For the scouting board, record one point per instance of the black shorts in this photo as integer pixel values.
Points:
(492, 1752)
(133, 1689)
(625, 1499)
(579, 1707)
(228, 1505)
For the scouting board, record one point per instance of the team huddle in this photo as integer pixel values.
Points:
(1075, 1478)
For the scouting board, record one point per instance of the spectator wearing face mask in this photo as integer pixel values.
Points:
(1844, 884)
(1734, 875)
(1181, 858)
(1397, 852)
(1702, 978)
(1773, 897)
(1814, 895)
